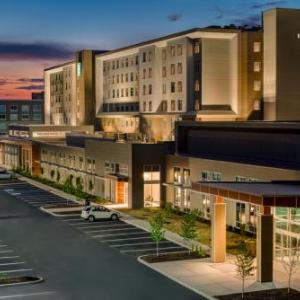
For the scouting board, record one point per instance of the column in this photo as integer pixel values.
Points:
(264, 246)
(218, 230)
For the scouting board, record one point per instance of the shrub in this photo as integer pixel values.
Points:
(156, 229)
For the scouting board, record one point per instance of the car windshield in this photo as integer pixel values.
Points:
(87, 208)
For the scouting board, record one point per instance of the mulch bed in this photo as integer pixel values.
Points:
(274, 294)
(172, 257)
(13, 280)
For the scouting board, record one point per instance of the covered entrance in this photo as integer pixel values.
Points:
(269, 198)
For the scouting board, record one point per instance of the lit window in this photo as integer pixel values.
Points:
(257, 66)
(197, 86)
(197, 48)
(257, 85)
(256, 47)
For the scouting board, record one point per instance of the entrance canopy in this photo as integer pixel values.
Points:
(283, 194)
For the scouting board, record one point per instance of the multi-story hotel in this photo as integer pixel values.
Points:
(236, 172)
(70, 91)
(203, 73)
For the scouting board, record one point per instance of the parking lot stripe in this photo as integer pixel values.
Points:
(13, 263)
(9, 257)
(6, 251)
(2, 246)
(112, 234)
(137, 244)
(126, 239)
(100, 230)
(28, 295)
(92, 225)
(150, 249)
(15, 271)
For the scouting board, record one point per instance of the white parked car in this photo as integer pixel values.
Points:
(93, 213)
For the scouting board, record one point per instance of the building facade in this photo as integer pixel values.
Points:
(208, 73)
(20, 112)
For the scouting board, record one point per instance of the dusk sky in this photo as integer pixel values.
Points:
(36, 34)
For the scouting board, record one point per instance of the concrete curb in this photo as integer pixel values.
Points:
(42, 208)
(39, 280)
(140, 260)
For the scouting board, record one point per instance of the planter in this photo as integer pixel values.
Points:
(19, 280)
(172, 257)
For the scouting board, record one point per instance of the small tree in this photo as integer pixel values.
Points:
(291, 263)
(244, 262)
(156, 229)
(188, 227)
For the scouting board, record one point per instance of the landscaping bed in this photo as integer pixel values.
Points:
(274, 294)
(172, 257)
(63, 205)
(19, 280)
(174, 221)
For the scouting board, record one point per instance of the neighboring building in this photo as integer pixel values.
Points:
(206, 73)
(20, 112)
(70, 91)
(123, 173)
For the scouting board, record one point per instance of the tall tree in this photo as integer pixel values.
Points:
(157, 232)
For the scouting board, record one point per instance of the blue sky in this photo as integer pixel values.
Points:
(35, 34)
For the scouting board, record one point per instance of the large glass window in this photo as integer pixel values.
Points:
(240, 214)
(177, 175)
(151, 185)
(186, 177)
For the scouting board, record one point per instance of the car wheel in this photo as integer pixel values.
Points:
(114, 217)
(91, 218)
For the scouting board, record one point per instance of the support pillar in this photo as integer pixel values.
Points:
(264, 246)
(218, 231)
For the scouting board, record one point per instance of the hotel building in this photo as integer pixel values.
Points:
(202, 73)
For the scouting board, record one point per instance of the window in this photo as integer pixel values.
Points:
(131, 91)
(164, 88)
(179, 105)
(118, 78)
(144, 106)
(37, 117)
(150, 105)
(172, 51)
(13, 117)
(2, 108)
(151, 185)
(144, 89)
(257, 85)
(179, 68)
(126, 77)
(117, 64)
(144, 73)
(150, 89)
(126, 62)
(131, 76)
(150, 73)
(173, 87)
(164, 71)
(256, 66)
(172, 69)
(197, 48)
(256, 47)
(177, 175)
(13, 108)
(186, 177)
(179, 86)
(164, 105)
(144, 56)
(197, 86)
(150, 56)
(197, 104)
(172, 105)
(240, 214)
(164, 54)
(179, 50)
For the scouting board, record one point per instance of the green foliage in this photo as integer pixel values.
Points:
(244, 262)
(156, 229)
(168, 210)
(188, 226)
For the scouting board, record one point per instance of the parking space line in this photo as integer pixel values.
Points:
(96, 225)
(2, 246)
(15, 271)
(138, 244)
(112, 234)
(12, 263)
(150, 249)
(28, 295)
(6, 251)
(9, 257)
(127, 239)
(118, 229)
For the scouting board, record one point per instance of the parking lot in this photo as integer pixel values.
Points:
(77, 259)
(119, 235)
